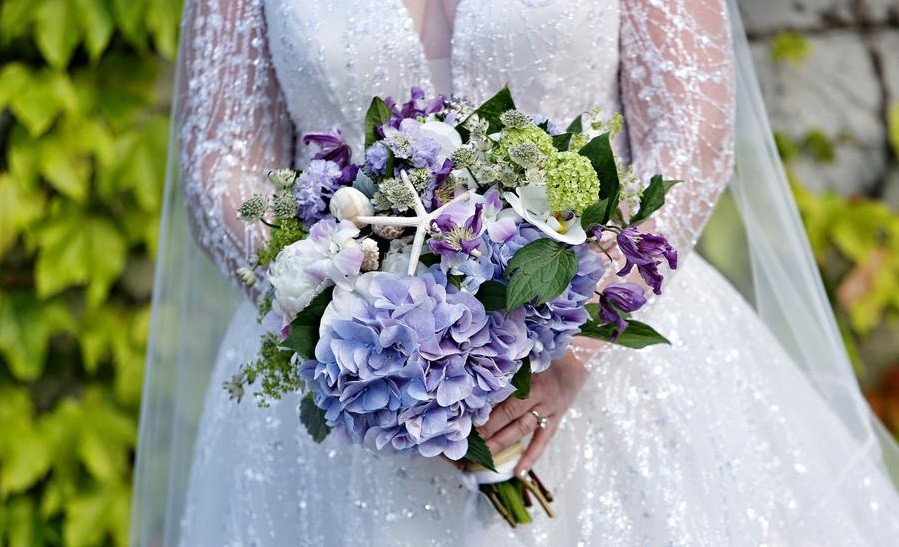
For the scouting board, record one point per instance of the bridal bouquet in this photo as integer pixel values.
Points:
(410, 293)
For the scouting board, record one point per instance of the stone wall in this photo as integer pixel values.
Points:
(842, 88)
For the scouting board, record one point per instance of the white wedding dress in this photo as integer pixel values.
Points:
(718, 439)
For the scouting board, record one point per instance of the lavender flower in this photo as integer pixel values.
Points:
(617, 298)
(317, 182)
(646, 251)
(412, 363)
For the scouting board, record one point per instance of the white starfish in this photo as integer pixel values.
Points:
(421, 221)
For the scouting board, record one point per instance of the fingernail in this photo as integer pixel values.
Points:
(523, 474)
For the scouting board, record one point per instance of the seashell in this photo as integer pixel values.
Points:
(388, 231)
(348, 203)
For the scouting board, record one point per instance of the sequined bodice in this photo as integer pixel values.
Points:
(259, 73)
(331, 57)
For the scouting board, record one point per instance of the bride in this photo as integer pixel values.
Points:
(748, 429)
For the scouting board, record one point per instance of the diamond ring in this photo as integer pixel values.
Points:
(542, 421)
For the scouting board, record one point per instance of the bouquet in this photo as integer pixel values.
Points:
(407, 295)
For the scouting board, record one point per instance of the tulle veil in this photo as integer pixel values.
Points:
(192, 305)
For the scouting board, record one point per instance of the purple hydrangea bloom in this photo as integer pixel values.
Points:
(646, 252)
(617, 298)
(412, 363)
(553, 324)
(376, 158)
(410, 144)
(316, 183)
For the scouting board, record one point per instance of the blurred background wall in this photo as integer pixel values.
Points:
(84, 92)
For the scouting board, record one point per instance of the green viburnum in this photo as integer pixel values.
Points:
(578, 141)
(517, 136)
(571, 183)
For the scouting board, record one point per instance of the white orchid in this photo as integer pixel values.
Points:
(530, 203)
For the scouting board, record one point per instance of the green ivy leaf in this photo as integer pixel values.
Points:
(599, 152)
(652, 199)
(57, 32)
(492, 294)
(19, 522)
(77, 249)
(377, 114)
(92, 515)
(130, 17)
(304, 328)
(20, 206)
(25, 461)
(522, 380)
(15, 19)
(637, 335)
(314, 419)
(96, 22)
(490, 111)
(26, 325)
(162, 21)
(542, 269)
(478, 452)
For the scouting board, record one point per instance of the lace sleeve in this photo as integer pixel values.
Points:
(677, 91)
(233, 124)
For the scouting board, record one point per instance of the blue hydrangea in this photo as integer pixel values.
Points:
(412, 362)
(551, 325)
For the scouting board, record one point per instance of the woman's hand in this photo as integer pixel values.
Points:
(552, 393)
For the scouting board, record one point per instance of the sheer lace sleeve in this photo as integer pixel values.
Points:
(233, 124)
(677, 91)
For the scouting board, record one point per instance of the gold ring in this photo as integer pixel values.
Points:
(542, 421)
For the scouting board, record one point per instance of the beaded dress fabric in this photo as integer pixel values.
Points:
(718, 439)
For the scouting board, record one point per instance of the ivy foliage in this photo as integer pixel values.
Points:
(84, 93)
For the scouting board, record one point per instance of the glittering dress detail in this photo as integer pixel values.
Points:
(717, 439)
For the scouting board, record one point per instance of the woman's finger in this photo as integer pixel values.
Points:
(535, 448)
(504, 414)
(514, 432)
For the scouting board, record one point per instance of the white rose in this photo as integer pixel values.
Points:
(445, 135)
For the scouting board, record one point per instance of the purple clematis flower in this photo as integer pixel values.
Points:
(619, 298)
(646, 252)
(332, 146)
(413, 107)
(452, 238)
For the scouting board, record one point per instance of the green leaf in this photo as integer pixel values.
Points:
(637, 335)
(653, 198)
(130, 17)
(576, 125)
(20, 206)
(57, 31)
(522, 380)
(96, 22)
(19, 522)
(26, 325)
(429, 259)
(599, 152)
(562, 141)
(478, 452)
(304, 328)
(25, 461)
(492, 294)
(15, 19)
(378, 113)
(79, 249)
(893, 127)
(162, 20)
(542, 269)
(91, 515)
(593, 215)
(314, 419)
(490, 111)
